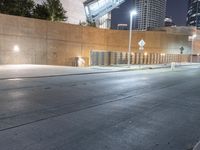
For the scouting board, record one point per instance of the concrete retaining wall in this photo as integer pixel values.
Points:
(44, 42)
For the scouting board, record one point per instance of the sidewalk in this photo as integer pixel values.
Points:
(39, 71)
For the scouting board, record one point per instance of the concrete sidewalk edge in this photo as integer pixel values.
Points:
(90, 73)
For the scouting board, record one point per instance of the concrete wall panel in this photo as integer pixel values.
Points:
(74, 33)
(57, 31)
(44, 42)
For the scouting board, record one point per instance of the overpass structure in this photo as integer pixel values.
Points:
(99, 11)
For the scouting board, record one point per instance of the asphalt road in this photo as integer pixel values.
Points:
(147, 110)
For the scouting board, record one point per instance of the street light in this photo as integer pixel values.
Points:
(16, 48)
(132, 13)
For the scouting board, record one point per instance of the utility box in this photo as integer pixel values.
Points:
(81, 62)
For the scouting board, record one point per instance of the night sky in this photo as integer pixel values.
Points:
(177, 9)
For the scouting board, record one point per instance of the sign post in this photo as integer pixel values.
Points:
(141, 44)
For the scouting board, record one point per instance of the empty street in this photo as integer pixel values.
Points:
(129, 110)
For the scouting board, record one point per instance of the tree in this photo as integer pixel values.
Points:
(48, 10)
(17, 7)
(56, 10)
(6, 6)
(41, 12)
(25, 7)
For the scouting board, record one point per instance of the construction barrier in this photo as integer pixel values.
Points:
(101, 58)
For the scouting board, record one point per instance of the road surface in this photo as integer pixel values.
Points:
(135, 110)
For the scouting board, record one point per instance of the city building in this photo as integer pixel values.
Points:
(122, 27)
(193, 14)
(169, 22)
(93, 11)
(99, 11)
(151, 13)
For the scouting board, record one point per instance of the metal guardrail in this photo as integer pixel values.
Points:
(99, 58)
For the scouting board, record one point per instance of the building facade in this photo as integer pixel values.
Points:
(99, 11)
(151, 13)
(169, 22)
(193, 14)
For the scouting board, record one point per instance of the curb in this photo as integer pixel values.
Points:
(80, 74)
(62, 75)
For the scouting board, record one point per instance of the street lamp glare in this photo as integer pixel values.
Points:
(16, 48)
(133, 13)
(194, 36)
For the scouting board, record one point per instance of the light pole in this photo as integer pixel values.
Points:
(191, 55)
(132, 13)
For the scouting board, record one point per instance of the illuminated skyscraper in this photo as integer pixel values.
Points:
(193, 14)
(151, 13)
